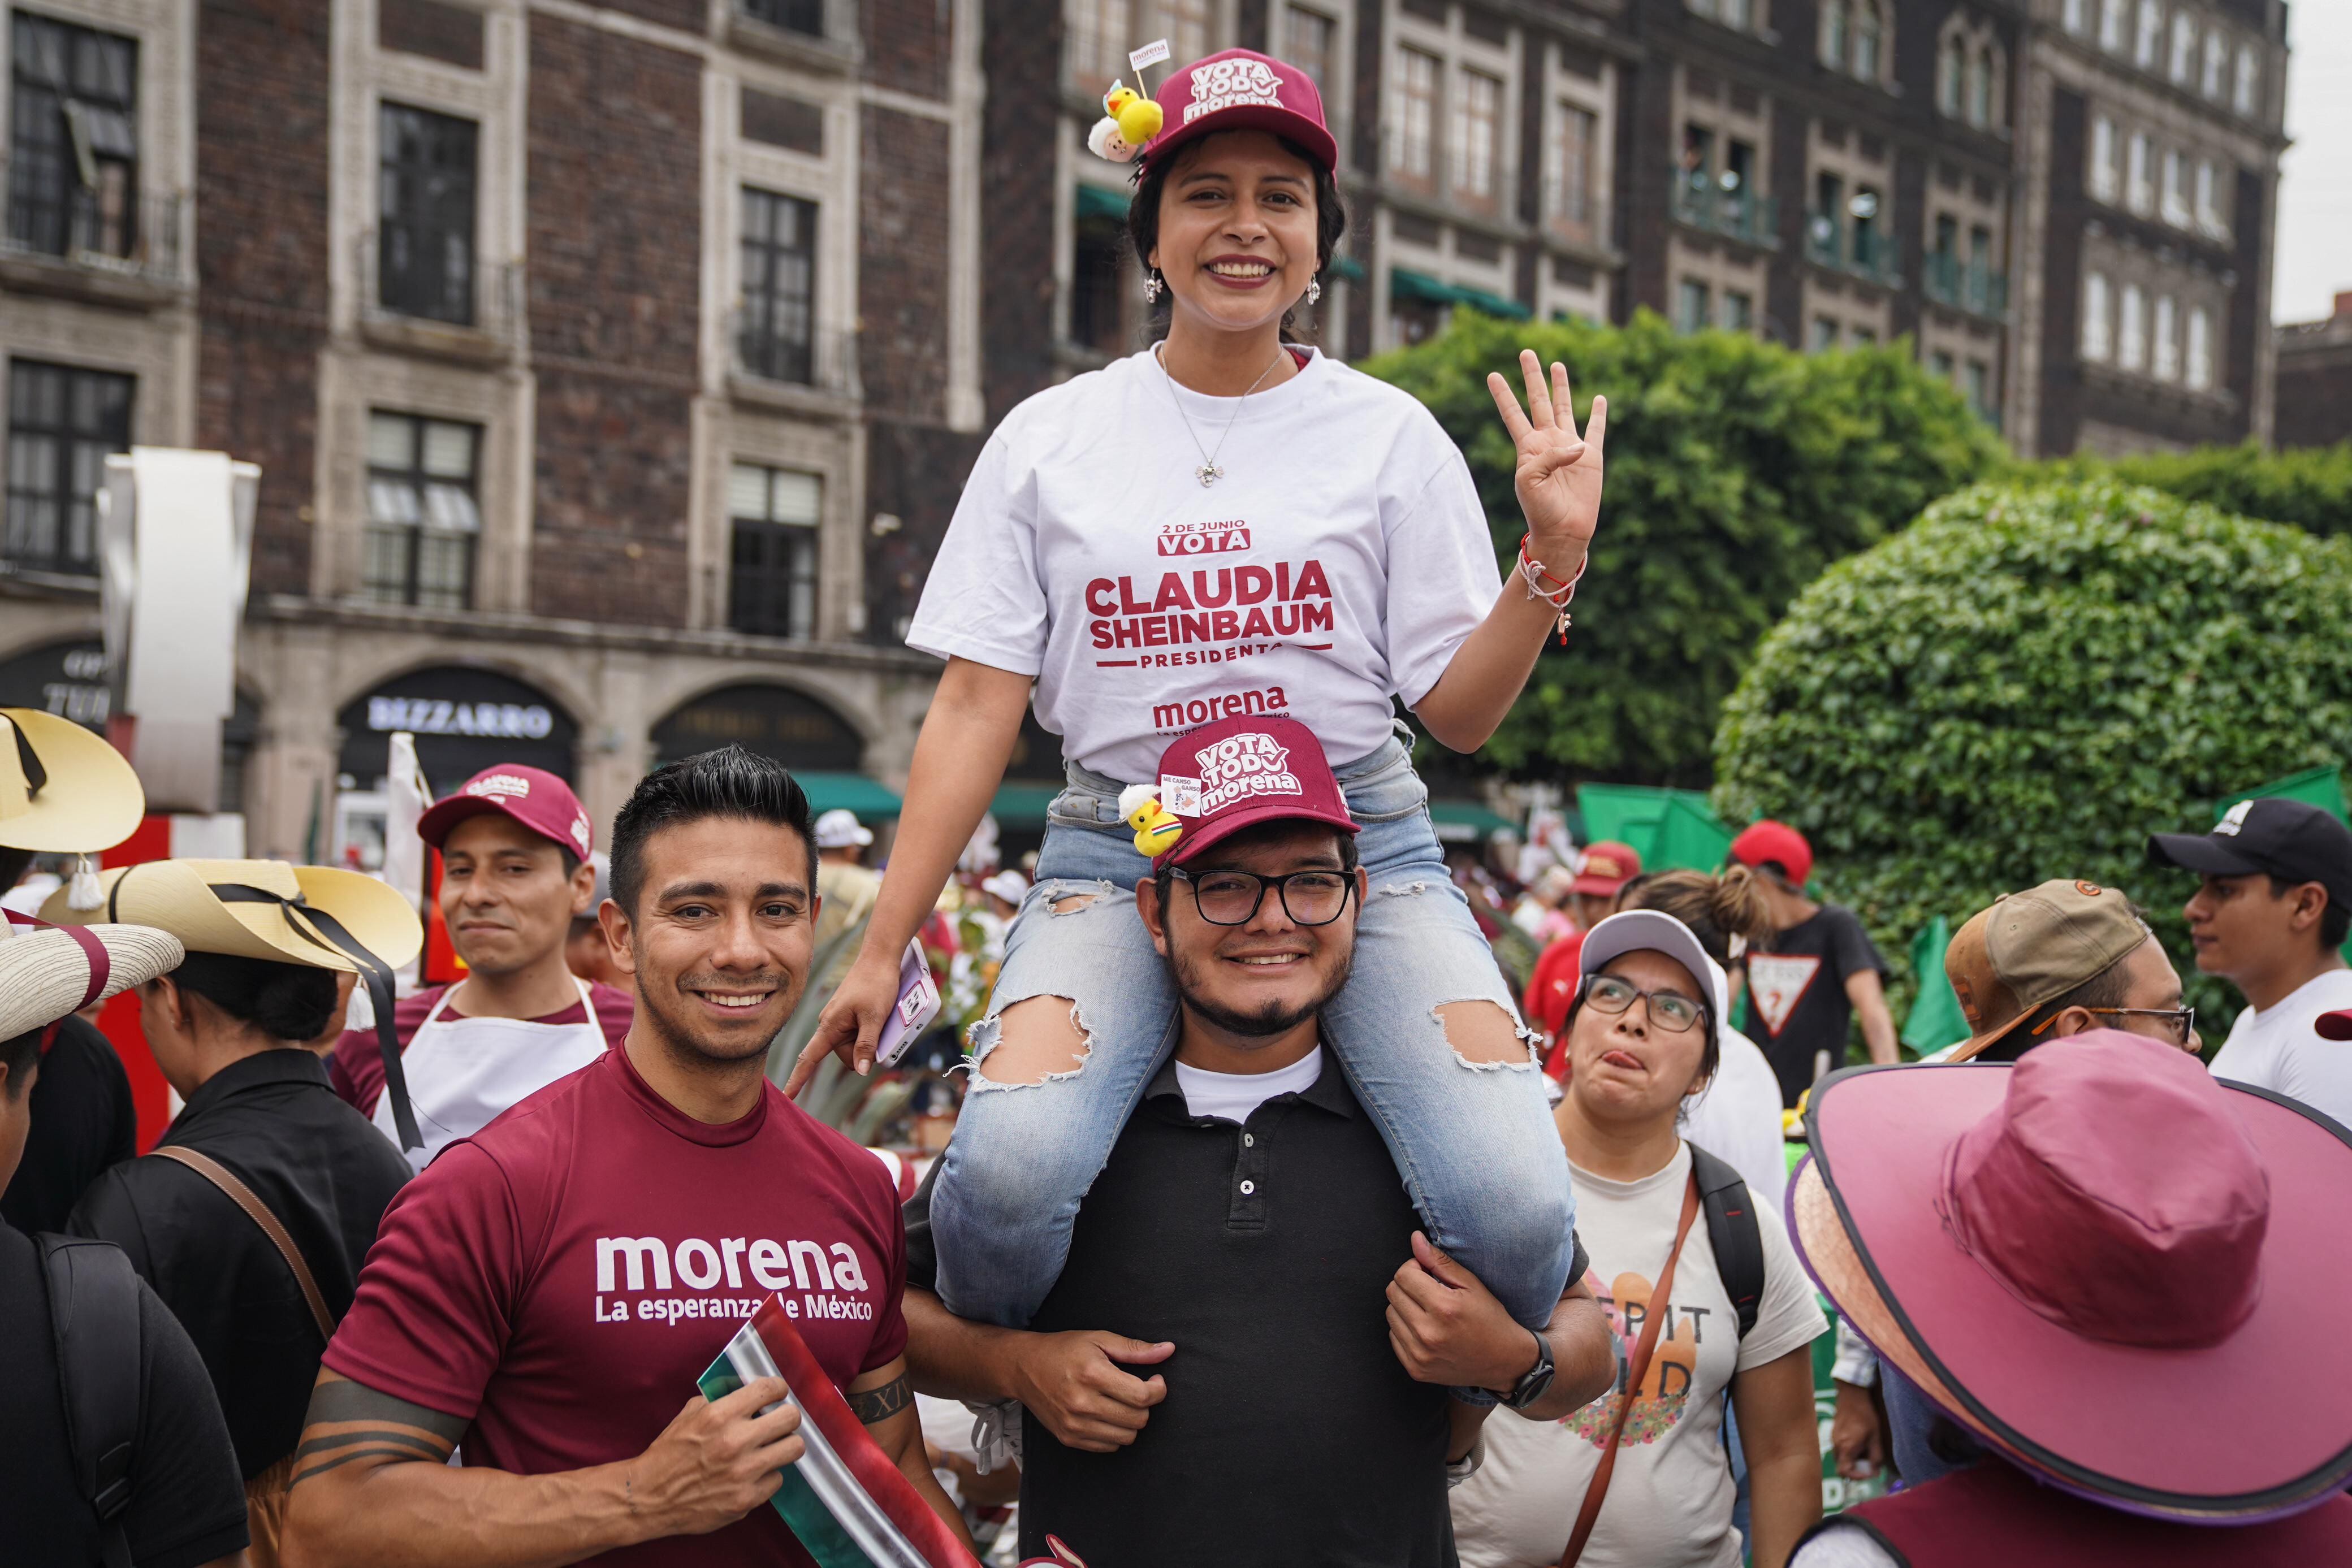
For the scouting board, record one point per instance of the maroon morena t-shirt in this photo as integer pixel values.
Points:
(356, 1066)
(562, 1277)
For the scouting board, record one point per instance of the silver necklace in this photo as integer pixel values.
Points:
(1208, 473)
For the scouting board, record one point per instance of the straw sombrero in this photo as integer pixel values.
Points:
(2119, 1272)
(63, 791)
(47, 972)
(314, 915)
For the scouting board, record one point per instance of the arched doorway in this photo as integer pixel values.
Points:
(824, 751)
(464, 719)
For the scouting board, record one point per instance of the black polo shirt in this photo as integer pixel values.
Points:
(1290, 1434)
(319, 1166)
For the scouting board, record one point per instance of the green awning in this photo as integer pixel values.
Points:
(1019, 805)
(1412, 284)
(849, 792)
(1467, 822)
(1349, 268)
(1101, 201)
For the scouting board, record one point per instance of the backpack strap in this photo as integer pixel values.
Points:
(237, 1193)
(94, 1321)
(1732, 1233)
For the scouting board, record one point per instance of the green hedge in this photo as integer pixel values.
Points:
(2310, 487)
(2028, 682)
(1738, 470)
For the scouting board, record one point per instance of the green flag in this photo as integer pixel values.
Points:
(1936, 1019)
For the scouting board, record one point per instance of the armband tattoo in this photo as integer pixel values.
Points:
(874, 1405)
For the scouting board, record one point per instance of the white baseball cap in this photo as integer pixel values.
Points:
(839, 828)
(1009, 885)
(1655, 931)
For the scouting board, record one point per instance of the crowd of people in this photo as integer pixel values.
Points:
(1278, 1224)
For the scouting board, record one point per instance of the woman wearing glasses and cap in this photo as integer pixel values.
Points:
(253, 1215)
(1645, 1035)
(1222, 525)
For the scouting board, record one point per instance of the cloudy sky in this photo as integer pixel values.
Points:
(2314, 231)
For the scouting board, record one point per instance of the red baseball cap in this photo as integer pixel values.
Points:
(1608, 866)
(1238, 772)
(1237, 89)
(1768, 841)
(532, 796)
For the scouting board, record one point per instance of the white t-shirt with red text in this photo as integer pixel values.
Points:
(562, 1279)
(1340, 560)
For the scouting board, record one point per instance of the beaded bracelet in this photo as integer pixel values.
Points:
(1558, 595)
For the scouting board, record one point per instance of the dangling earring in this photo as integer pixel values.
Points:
(1151, 287)
(1313, 288)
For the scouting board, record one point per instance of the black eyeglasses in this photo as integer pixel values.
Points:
(1673, 1013)
(1231, 898)
(2181, 1022)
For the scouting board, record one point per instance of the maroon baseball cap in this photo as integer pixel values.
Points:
(1778, 843)
(1241, 89)
(1607, 867)
(1238, 772)
(532, 796)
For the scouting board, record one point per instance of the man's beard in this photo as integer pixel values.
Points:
(685, 1042)
(1267, 1021)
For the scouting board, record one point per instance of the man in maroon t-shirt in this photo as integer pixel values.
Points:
(549, 1288)
(515, 874)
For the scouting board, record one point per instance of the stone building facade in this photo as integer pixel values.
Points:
(591, 353)
(2315, 378)
(1822, 172)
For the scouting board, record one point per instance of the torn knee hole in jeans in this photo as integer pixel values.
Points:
(1401, 889)
(1069, 898)
(1484, 1035)
(1048, 1040)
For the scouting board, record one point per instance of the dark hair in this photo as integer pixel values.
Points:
(17, 1055)
(1164, 878)
(1715, 908)
(1143, 212)
(284, 1001)
(728, 782)
(2334, 921)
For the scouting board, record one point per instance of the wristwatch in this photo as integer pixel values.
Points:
(1535, 1381)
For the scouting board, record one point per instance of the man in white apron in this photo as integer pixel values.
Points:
(515, 873)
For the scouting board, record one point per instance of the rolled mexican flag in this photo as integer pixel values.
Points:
(844, 1500)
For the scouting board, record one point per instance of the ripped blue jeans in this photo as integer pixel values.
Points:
(1474, 1140)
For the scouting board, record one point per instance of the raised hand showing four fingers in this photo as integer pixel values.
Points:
(1558, 474)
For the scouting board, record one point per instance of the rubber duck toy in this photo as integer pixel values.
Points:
(1129, 120)
(1157, 828)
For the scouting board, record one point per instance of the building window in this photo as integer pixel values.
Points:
(2104, 171)
(1573, 137)
(1869, 35)
(62, 423)
(2139, 175)
(1739, 311)
(2184, 48)
(1836, 24)
(2176, 188)
(2168, 340)
(1311, 40)
(2148, 38)
(2077, 17)
(1826, 334)
(1414, 154)
(423, 515)
(2111, 25)
(2201, 350)
(1939, 364)
(1978, 387)
(1864, 338)
(425, 213)
(1950, 67)
(2217, 54)
(772, 585)
(1694, 307)
(2208, 199)
(1098, 40)
(73, 147)
(1098, 286)
(1477, 115)
(1187, 22)
(776, 335)
(2131, 330)
(2098, 329)
(793, 16)
(1981, 110)
(2244, 91)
